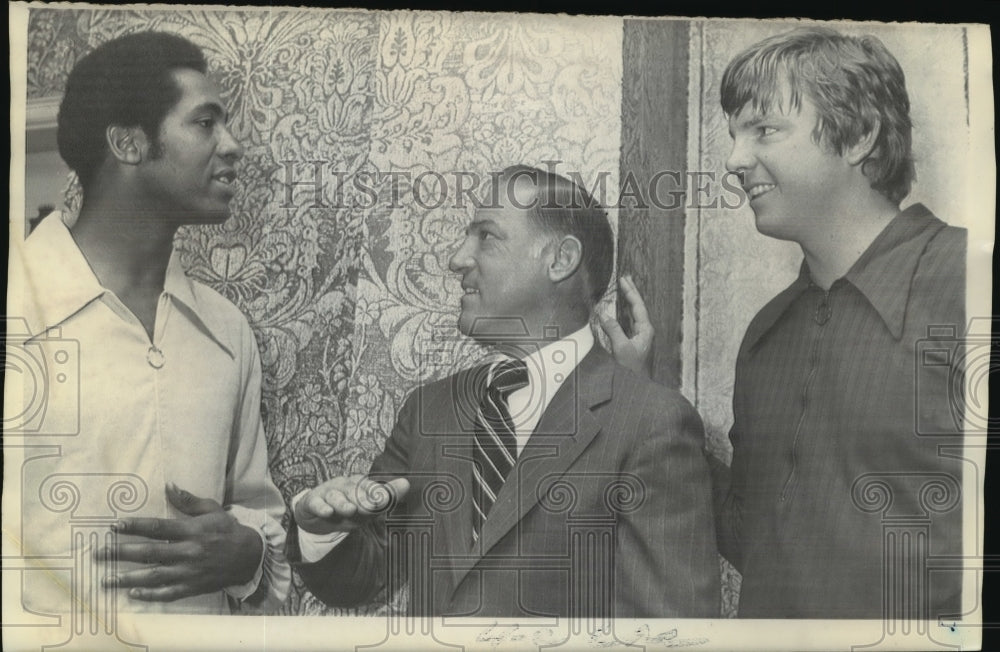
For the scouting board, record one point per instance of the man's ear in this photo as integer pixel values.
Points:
(568, 253)
(859, 152)
(127, 145)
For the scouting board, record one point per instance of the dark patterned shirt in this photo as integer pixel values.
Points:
(842, 400)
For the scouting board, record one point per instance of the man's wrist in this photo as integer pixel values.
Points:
(250, 537)
(249, 534)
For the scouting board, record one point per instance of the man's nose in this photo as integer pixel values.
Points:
(229, 147)
(461, 260)
(740, 157)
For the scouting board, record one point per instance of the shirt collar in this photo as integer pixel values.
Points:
(882, 273)
(180, 288)
(549, 365)
(59, 283)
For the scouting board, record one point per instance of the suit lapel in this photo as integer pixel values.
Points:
(454, 452)
(565, 429)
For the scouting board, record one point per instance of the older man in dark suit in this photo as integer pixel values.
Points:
(551, 482)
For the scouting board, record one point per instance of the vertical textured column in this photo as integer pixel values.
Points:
(411, 563)
(592, 574)
(910, 507)
(92, 503)
(410, 559)
(653, 166)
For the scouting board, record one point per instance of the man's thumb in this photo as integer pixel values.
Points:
(188, 503)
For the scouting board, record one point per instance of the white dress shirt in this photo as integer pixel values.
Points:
(125, 416)
(548, 368)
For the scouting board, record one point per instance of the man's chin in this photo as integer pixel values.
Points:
(464, 325)
(773, 228)
(473, 326)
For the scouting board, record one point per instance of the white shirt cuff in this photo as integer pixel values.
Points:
(313, 547)
(272, 570)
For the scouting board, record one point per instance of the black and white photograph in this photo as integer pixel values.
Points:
(332, 329)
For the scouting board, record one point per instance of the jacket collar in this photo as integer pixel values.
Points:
(882, 273)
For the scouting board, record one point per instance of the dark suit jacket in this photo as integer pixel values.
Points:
(606, 513)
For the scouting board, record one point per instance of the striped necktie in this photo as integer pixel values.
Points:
(496, 446)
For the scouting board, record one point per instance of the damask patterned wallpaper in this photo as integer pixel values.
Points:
(345, 293)
(356, 123)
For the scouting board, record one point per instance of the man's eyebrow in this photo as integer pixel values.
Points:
(753, 120)
(216, 109)
(476, 225)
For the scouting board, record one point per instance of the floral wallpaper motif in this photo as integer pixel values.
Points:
(345, 293)
(464, 94)
(54, 44)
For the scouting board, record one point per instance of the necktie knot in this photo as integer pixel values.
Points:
(509, 376)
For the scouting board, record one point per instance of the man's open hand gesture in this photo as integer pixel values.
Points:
(343, 503)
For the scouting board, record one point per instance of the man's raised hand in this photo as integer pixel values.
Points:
(343, 503)
(635, 352)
